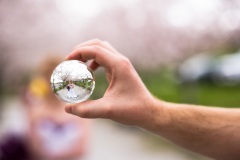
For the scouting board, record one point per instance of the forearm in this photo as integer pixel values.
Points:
(207, 130)
(210, 131)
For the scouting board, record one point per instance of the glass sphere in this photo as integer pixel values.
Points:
(72, 81)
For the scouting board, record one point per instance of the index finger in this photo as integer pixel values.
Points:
(102, 56)
(97, 42)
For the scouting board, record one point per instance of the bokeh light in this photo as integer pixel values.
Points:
(185, 51)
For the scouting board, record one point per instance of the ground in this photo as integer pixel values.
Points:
(79, 91)
(109, 140)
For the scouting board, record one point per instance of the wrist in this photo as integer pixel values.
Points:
(160, 116)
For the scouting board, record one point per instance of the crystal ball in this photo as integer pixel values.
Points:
(72, 81)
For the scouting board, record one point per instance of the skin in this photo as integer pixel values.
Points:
(210, 131)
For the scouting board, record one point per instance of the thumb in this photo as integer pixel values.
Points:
(89, 109)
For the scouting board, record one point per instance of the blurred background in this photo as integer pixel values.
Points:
(185, 51)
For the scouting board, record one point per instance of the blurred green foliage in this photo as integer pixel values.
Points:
(165, 85)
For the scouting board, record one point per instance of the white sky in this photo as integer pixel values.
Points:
(181, 13)
(89, 8)
(66, 23)
(77, 69)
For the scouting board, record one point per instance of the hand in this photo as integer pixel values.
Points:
(197, 128)
(126, 100)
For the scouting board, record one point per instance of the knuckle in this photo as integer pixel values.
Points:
(97, 41)
(122, 63)
(126, 65)
(106, 42)
(97, 48)
(125, 62)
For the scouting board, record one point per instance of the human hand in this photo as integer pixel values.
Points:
(126, 100)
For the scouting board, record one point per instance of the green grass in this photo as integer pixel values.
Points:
(163, 84)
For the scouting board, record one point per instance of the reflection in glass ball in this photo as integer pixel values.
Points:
(72, 81)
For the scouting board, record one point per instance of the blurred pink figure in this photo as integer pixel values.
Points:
(52, 134)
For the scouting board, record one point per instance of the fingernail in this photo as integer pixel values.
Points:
(67, 57)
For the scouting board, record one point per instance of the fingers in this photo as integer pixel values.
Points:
(89, 109)
(94, 65)
(99, 54)
(97, 42)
